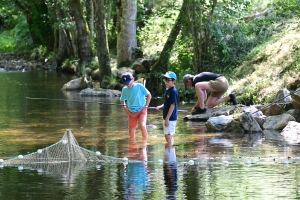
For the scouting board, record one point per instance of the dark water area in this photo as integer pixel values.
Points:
(200, 165)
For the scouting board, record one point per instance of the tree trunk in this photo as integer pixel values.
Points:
(90, 16)
(84, 44)
(102, 46)
(126, 29)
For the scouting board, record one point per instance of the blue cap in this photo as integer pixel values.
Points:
(127, 78)
(170, 75)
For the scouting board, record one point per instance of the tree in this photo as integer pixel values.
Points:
(162, 62)
(126, 29)
(85, 52)
(161, 65)
(200, 16)
(62, 35)
(39, 22)
(101, 39)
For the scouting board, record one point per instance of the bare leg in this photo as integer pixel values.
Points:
(132, 134)
(201, 93)
(169, 139)
(142, 123)
(213, 101)
(144, 131)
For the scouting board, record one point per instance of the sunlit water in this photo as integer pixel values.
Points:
(225, 166)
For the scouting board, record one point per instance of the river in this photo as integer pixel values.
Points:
(200, 165)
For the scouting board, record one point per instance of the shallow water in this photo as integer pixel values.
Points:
(225, 166)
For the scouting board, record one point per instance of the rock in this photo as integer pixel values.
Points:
(260, 120)
(283, 96)
(220, 123)
(223, 124)
(278, 122)
(139, 67)
(99, 92)
(274, 109)
(295, 113)
(212, 112)
(199, 117)
(296, 99)
(73, 84)
(291, 133)
(249, 123)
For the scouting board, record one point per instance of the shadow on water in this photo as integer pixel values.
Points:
(200, 165)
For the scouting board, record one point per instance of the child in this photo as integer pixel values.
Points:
(135, 104)
(169, 106)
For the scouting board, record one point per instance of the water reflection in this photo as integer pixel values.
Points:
(170, 172)
(135, 174)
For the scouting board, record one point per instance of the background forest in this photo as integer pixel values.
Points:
(254, 43)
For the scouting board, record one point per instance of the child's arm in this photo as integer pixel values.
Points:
(172, 106)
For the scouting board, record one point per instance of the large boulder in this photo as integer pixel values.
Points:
(283, 96)
(278, 122)
(223, 124)
(291, 132)
(295, 113)
(249, 123)
(73, 84)
(274, 109)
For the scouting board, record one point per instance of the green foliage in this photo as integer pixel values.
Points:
(70, 66)
(17, 39)
(7, 42)
(154, 33)
(39, 53)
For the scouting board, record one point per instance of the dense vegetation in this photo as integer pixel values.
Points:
(240, 39)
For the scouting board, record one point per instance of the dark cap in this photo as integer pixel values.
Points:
(127, 78)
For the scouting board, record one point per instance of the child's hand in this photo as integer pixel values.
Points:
(159, 107)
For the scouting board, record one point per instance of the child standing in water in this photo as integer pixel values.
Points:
(169, 106)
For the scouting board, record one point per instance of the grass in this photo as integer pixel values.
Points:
(269, 67)
(7, 42)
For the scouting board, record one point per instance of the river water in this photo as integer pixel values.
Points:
(200, 165)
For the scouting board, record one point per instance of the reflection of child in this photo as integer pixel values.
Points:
(169, 106)
(136, 174)
(170, 172)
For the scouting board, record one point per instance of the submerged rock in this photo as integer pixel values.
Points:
(99, 92)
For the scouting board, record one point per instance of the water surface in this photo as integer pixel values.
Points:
(226, 166)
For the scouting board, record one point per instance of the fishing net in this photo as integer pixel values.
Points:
(65, 151)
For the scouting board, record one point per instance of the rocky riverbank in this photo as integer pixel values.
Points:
(276, 121)
(18, 62)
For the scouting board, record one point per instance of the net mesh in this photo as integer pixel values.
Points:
(65, 151)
